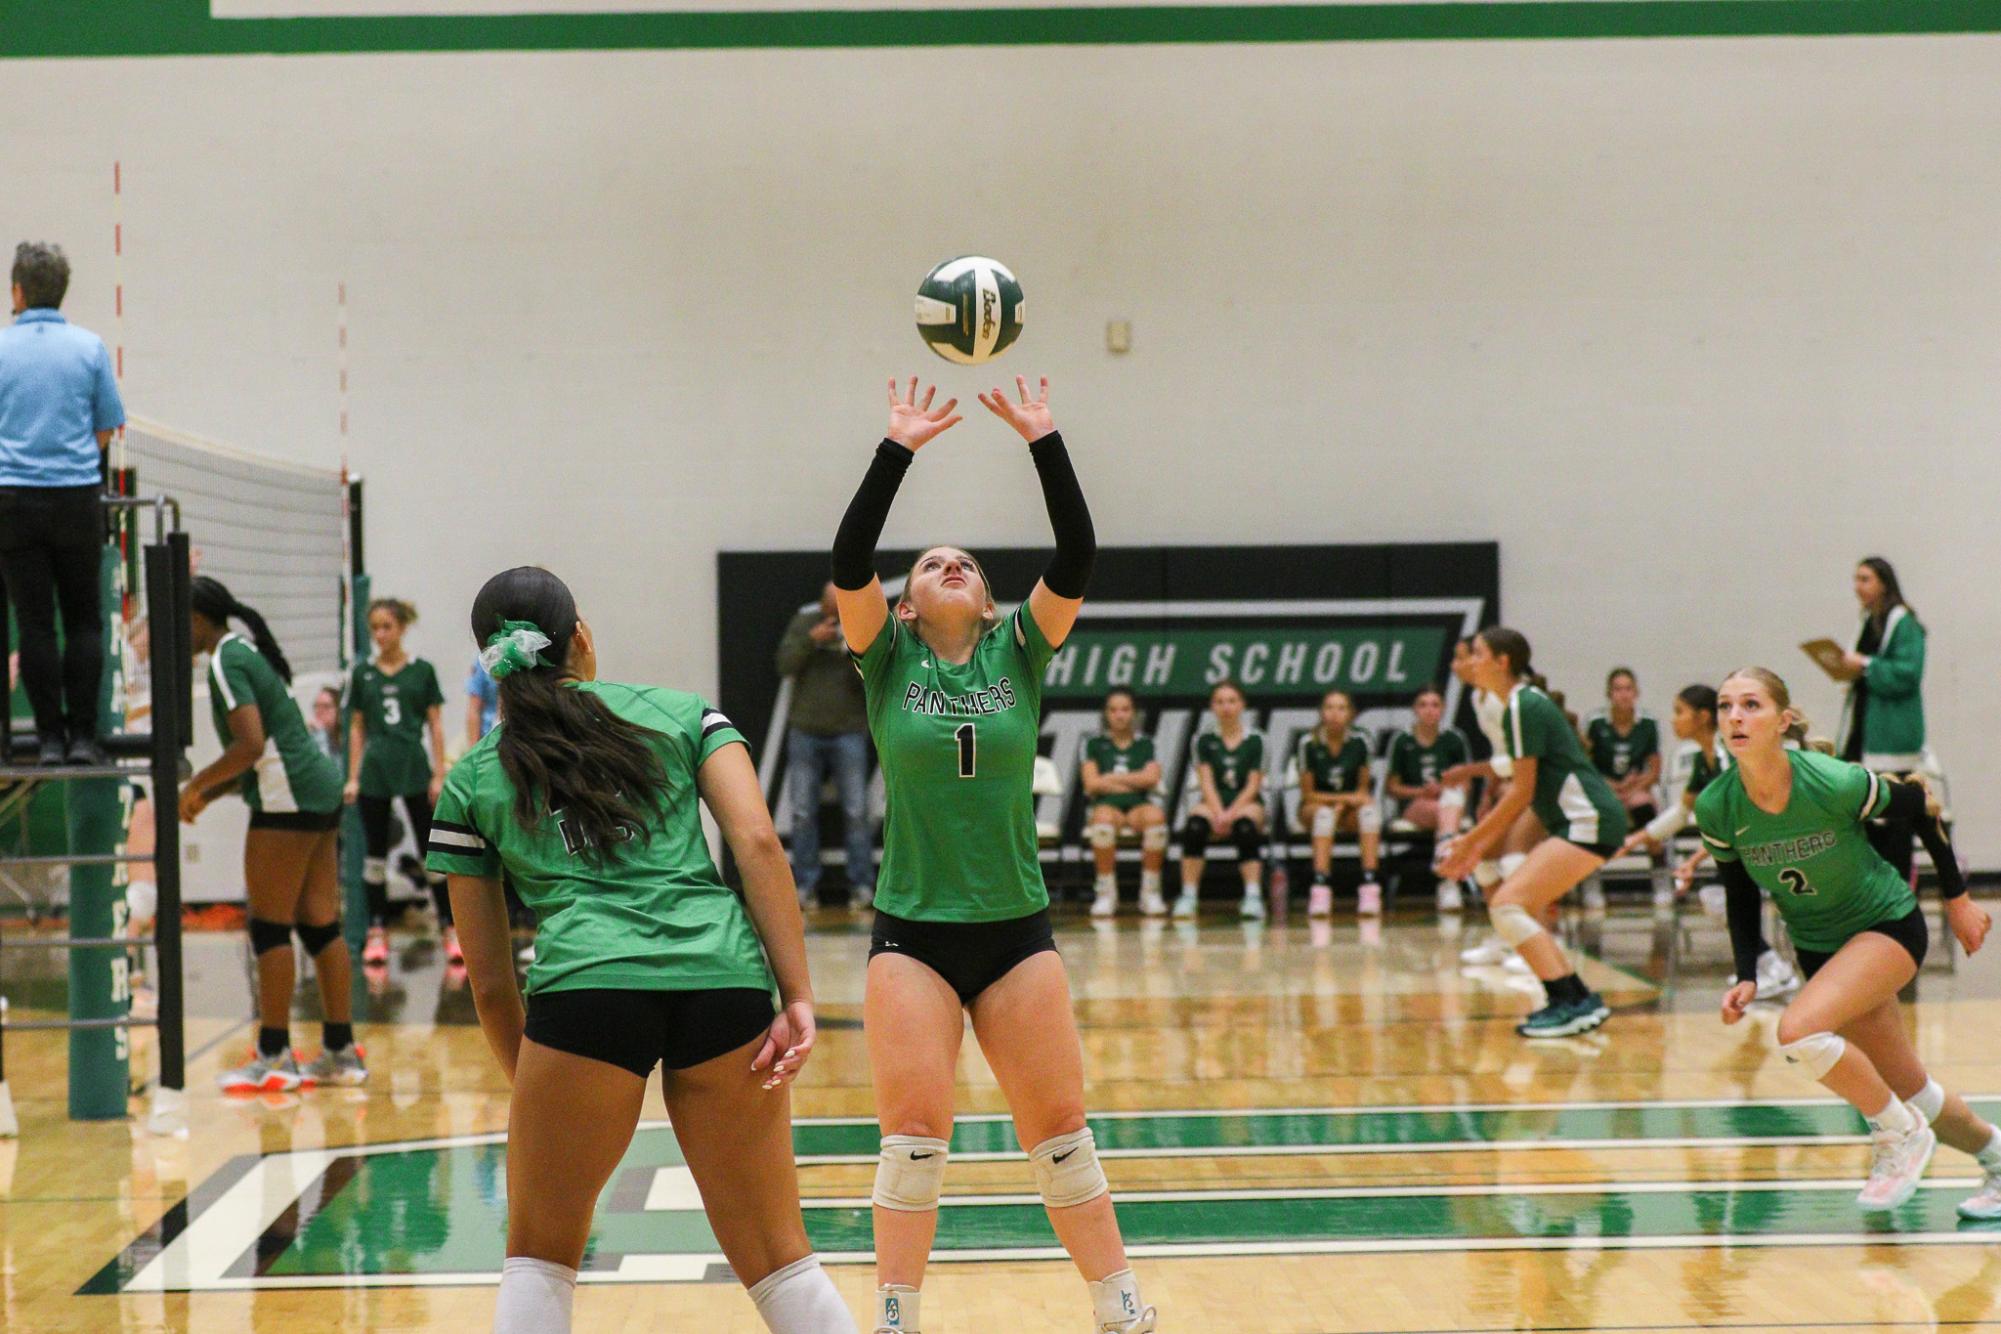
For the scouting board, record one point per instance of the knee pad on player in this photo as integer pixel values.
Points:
(1928, 1101)
(1511, 862)
(1248, 840)
(142, 900)
(1067, 1171)
(317, 938)
(1513, 923)
(1102, 836)
(375, 870)
(1369, 819)
(1323, 822)
(1487, 874)
(1816, 1053)
(266, 936)
(1195, 836)
(910, 1173)
(1155, 838)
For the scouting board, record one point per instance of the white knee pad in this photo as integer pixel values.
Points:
(1323, 822)
(1155, 838)
(1102, 836)
(1928, 1101)
(911, 1173)
(1487, 875)
(1816, 1053)
(142, 900)
(1067, 1171)
(1511, 862)
(1513, 923)
(375, 870)
(1369, 819)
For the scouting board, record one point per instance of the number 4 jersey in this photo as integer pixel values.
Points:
(958, 745)
(1813, 858)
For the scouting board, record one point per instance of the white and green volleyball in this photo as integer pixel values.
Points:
(969, 309)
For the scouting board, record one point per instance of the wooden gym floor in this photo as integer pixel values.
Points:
(1310, 1127)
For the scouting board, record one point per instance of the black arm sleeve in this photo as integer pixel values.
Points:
(1746, 912)
(1907, 806)
(861, 526)
(1069, 571)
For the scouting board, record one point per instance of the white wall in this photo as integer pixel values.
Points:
(1687, 325)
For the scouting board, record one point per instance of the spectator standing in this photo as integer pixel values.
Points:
(827, 730)
(59, 405)
(1883, 720)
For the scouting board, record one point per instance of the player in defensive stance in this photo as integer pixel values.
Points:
(1121, 775)
(1585, 820)
(1336, 796)
(1230, 773)
(962, 915)
(1793, 822)
(585, 798)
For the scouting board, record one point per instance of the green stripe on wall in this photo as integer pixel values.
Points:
(31, 28)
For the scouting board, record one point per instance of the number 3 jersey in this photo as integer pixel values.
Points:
(957, 745)
(394, 709)
(1813, 858)
(651, 915)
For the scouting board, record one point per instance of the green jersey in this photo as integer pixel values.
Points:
(1102, 751)
(652, 914)
(293, 774)
(1813, 857)
(957, 743)
(1333, 770)
(1572, 799)
(394, 709)
(1231, 766)
(1617, 755)
(1415, 764)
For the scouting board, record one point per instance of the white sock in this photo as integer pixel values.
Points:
(1895, 1117)
(800, 1299)
(1990, 1157)
(1115, 1300)
(1252, 889)
(1188, 888)
(1149, 882)
(1108, 884)
(535, 1297)
(896, 1306)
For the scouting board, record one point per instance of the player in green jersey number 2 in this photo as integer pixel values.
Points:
(1793, 823)
(962, 920)
(585, 798)
(1121, 776)
(289, 874)
(1586, 823)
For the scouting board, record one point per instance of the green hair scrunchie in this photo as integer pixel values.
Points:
(516, 647)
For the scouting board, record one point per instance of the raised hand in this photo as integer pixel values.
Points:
(1030, 416)
(913, 424)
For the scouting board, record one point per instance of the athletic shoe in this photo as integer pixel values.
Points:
(1489, 952)
(342, 1068)
(453, 954)
(1594, 895)
(1151, 904)
(1184, 905)
(1105, 904)
(1450, 897)
(1143, 1323)
(1564, 1019)
(809, 897)
(1320, 901)
(1896, 1165)
(1252, 909)
(376, 949)
(1515, 963)
(262, 1074)
(1369, 899)
(1776, 977)
(861, 898)
(1987, 1204)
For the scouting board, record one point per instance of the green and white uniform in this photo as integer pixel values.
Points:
(1102, 751)
(1616, 755)
(1814, 857)
(1232, 766)
(958, 744)
(1572, 799)
(1415, 764)
(1333, 769)
(394, 709)
(292, 775)
(653, 914)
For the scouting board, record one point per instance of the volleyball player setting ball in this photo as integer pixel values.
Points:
(1794, 823)
(962, 923)
(585, 799)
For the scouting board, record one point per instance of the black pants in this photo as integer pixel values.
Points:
(51, 538)
(375, 843)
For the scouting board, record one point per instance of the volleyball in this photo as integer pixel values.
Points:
(969, 309)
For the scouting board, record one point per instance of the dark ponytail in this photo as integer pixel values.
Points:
(1514, 646)
(213, 600)
(563, 749)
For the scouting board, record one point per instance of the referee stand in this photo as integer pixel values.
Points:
(99, 983)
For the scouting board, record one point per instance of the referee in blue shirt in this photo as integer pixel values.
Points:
(58, 407)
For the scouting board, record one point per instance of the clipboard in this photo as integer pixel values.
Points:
(1831, 658)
